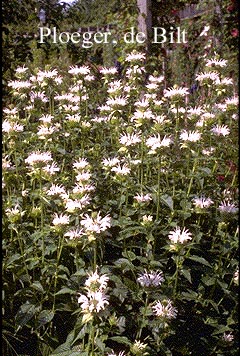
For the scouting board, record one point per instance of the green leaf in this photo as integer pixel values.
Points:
(125, 264)
(130, 255)
(121, 340)
(45, 317)
(186, 274)
(65, 291)
(25, 313)
(167, 200)
(37, 286)
(200, 260)
(66, 347)
(12, 259)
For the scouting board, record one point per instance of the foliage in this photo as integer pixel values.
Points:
(113, 185)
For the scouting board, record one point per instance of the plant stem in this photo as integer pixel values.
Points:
(191, 180)
(139, 333)
(41, 208)
(158, 189)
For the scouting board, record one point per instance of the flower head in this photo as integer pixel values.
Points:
(135, 56)
(94, 302)
(150, 279)
(97, 224)
(121, 170)
(192, 136)
(228, 337)
(227, 207)
(60, 220)
(38, 158)
(141, 198)
(175, 93)
(220, 130)
(178, 236)
(129, 139)
(202, 202)
(96, 282)
(164, 309)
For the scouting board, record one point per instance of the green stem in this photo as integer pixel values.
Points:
(139, 333)
(94, 255)
(59, 252)
(158, 189)
(42, 217)
(191, 180)
(176, 277)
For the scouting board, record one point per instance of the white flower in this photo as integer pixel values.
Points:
(228, 337)
(74, 233)
(60, 219)
(107, 71)
(224, 81)
(156, 79)
(141, 198)
(228, 207)
(105, 108)
(11, 112)
(152, 86)
(164, 309)
(208, 115)
(147, 219)
(46, 74)
(139, 114)
(17, 84)
(81, 163)
(114, 86)
(46, 119)
(40, 95)
(82, 188)
(216, 62)
(97, 224)
(124, 170)
(21, 69)
(119, 101)
(83, 70)
(121, 353)
(38, 158)
(204, 31)
(208, 151)
(96, 282)
(232, 101)
(156, 142)
(44, 131)
(71, 205)
(56, 190)
(150, 279)
(160, 119)
(220, 130)
(142, 103)
(175, 92)
(11, 127)
(129, 139)
(51, 169)
(138, 347)
(93, 302)
(135, 56)
(110, 162)
(178, 236)
(202, 202)
(192, 136)
(83, 176)
(195, 111)
(208, 76)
